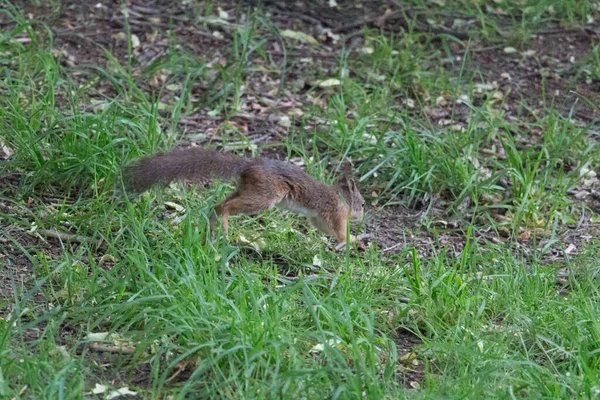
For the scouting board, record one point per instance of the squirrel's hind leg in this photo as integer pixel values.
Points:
(247, 201)
(220, 211)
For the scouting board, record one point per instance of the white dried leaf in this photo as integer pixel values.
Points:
(284, 121)
(480, 345)
(333, 36)
(222, 13)
(484, 86)
(330, 82)
(124, 391)
(441, 101)
(99, 389)
(320, 347)
(97, 336)
(587, 173)
(300, 36)
(376, 77)
(135, 41)
(463, 98)
(498, 95)
(7, 150)
(174, 206)
(528, 53)
(317, 261)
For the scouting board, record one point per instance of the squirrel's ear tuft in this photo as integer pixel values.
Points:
(347, 179)
(346, 169)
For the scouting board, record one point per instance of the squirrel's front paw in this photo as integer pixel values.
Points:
(354, 239)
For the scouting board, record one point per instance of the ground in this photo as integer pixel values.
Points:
(472, 129)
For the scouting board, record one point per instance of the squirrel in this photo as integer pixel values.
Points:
(263, 183)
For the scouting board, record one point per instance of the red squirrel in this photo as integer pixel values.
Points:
(262, 184)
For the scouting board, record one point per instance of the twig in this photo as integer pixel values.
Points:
(393, 247)
(112, 349)
(304, 17)
(67, 237)
(478, 50)
(365, 21)
(180, 369)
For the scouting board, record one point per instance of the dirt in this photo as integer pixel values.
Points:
(543, 72)
(398, 229)
(412, 370)
(82, 30)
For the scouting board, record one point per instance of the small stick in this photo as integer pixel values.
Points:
(112, 349)
(67, 237)
(393, 247)
(180, 369)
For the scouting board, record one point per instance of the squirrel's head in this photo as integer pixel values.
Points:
(348, 189)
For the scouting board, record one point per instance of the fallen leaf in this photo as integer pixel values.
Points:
(284, 121)
(124, 391)
(524, 235)
(333, 36)
(458, 128)
(97, 336)
(99, 389)
(587, 173)
(222, 13)
(330, 82)
(300, 36)
(528, 53)
(257, 244)
(174, 206)
(7, 150)
(135, 41)
(317, 261)
(408, 357)
(320, 347)
(483, 86)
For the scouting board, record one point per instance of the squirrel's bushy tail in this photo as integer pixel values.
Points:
(193, 164)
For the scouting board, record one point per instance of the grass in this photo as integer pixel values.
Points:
(283, 316)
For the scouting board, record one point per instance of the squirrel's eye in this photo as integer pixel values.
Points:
(363, 205)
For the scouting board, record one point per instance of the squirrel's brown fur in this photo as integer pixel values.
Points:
(263, 184)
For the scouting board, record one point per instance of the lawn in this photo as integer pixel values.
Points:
(473, 130)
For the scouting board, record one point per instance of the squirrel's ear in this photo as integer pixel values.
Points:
(346, 168)
(347, 180)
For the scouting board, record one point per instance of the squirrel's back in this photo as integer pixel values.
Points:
(192, 163)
